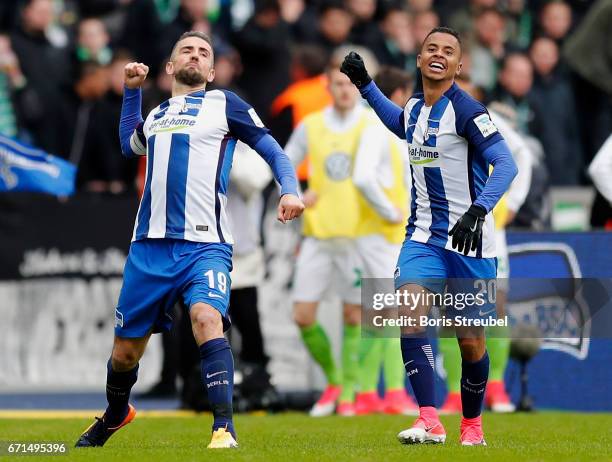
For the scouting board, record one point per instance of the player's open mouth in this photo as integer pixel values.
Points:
(437, 66)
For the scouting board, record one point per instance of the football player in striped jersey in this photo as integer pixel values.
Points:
(182, 245)
(450, 234)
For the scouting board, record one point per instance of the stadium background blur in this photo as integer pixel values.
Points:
(545, 64)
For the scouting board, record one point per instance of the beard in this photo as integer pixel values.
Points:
(190, 77)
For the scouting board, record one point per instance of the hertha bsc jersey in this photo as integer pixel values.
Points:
(446, 143)
(190, 141)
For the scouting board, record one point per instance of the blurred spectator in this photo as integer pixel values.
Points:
(302, 19)
(419, 6)
(397, 47)
(192, 15)
(123, 178)
(519, 23)
(46, 68)
(558, 129)
(462, 20)
(487, 48)
(93, 42)
(365, 30)
(37, 74)
(263, 44)
(308, 91)
(93, 169)
(587, 52)
(307, 94)
(227, 68)
(556, 20)
(513, 100)
(422, 24)
(141, 32)
(102, 168)
(515, 82)
(12, 82)
(334, 25)
(544, 54)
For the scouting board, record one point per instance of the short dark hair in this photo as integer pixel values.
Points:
(311, 58)
(445, 30)
(87, 68)
(328, 5)
(514, 54)
(192, 33)
(122, 55)
(392, 7)
(266, 5)
(389, 79)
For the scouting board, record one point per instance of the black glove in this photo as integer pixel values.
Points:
(467, 232)
(354, 68)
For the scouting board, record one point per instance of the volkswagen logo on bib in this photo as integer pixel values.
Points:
(338, 166)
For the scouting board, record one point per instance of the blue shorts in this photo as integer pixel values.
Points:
(159, 271)
(440, 270)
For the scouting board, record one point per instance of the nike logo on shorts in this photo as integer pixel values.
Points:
(208, 376)
(481, 313)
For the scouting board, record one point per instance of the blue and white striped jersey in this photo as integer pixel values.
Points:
(446, 143)
(189, 141)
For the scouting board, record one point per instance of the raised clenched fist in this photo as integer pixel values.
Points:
(135, 74)
(354, 67)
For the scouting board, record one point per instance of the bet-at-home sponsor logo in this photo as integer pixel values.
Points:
(423, 155)
(171, 124)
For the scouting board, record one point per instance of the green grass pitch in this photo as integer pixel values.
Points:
(542, 436)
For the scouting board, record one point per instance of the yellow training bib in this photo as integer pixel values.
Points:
(331, 154)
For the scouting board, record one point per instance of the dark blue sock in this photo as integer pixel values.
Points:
(118, 387)
(419, 364)
(474, 377)
(218, 376)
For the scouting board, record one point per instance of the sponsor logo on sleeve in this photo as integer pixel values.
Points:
(256, 120)
(485, 125)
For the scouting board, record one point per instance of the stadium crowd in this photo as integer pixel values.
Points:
(544, 64)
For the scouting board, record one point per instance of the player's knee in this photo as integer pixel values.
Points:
(352, 317)
(304, 317)
(207, 319)
(124, 358)
(472, 349)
